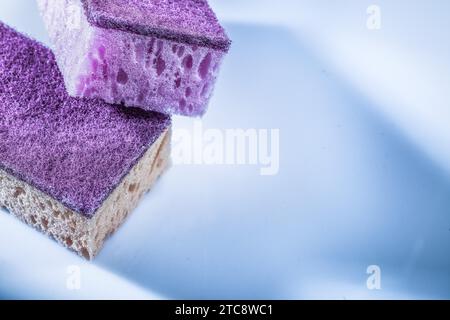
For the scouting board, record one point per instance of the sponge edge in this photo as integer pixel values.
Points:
(135, 56)
(83, 235)
(189, 21)
(72, 168)
(76, 151)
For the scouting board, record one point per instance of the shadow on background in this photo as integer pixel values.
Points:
(351, 192)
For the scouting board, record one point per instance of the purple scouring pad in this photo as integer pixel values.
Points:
(159, 55)
(68, 160)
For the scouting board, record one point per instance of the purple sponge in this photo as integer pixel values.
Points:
(160, 55)
(76, 151)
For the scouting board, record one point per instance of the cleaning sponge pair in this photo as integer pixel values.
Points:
(75, 168)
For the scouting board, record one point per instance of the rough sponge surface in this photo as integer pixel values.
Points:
(76, 151)
(190, 21)
(160, 55)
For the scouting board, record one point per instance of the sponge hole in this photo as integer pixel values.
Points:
(160, 65)
(182, 104)
(122, 76)
(188, 92)
(188, 62)
(180, 51)
(177, 82)
(160, 47)
(203, 68)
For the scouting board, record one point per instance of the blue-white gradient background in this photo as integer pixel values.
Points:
(364, 179)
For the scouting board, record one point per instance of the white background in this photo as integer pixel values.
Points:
(364, 169)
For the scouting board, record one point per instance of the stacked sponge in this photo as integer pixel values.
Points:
(75, 168)
(160, 55)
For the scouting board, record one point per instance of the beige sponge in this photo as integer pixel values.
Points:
(73, 230)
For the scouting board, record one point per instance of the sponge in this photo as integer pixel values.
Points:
(159, 55)
(72, 168)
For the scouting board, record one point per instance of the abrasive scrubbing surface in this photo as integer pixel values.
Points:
(77, 151)
(189, 21)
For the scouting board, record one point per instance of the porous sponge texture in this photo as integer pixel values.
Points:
(149, 70)
(74, 231)
(76, 151)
